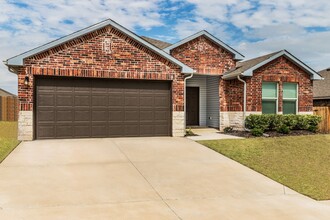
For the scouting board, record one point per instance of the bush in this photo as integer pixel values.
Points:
(228, 129)
(257, 121)
(283, 129)
(257, 132)
(313, 128)
(283, 123)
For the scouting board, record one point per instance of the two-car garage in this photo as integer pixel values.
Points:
(84, 108)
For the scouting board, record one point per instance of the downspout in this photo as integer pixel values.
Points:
(184, 99)
(244, 101)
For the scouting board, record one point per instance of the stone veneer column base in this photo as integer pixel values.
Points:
(25, 126)
(178, 129)
(233, 119)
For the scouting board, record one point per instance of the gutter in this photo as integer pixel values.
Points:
(10, 69)
(184, 99)
(244, 102)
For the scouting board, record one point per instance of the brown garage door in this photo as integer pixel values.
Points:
(84, 108)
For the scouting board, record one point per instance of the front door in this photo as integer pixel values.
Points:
(192, 112)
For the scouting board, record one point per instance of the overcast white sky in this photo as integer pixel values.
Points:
(253, 27)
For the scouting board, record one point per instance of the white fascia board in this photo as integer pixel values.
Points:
(237, 56)
(18, 60)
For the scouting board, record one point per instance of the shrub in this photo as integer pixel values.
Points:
(313, 128)
(282, 123)
(257, 132)
(257, 121)
(283, 129)
(228, 129)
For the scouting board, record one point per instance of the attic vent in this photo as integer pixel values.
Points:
(106, 46)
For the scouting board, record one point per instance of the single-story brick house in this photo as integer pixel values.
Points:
(321, 89)
(105, 81)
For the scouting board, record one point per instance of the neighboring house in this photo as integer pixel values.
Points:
(8, 106)
(105, 81)
(321, 89)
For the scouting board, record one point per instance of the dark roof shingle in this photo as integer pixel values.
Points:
(158, 43)
(321, 88)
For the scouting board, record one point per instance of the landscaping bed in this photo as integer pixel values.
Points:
(247, 134)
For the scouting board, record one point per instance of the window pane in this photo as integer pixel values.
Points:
(289, 107)
(269, 107)
(289, 90)
(269, 90)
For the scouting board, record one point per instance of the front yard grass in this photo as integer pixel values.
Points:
(300, 162)
(8, 138)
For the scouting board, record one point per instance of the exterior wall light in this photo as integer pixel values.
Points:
(26, 80)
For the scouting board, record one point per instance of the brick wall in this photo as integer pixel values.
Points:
(105, 53)
(280, 70)
(204, 56)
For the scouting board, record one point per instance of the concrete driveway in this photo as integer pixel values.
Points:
(140, 178)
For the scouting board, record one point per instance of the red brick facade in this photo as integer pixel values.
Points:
(204, 56)
(105, 53)
(109, 53)
(280, 70)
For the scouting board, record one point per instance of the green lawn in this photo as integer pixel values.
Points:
(299, 162)
(8, 138)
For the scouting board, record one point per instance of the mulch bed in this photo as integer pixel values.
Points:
(247, 134)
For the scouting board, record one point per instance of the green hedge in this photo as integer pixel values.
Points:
(278, 122)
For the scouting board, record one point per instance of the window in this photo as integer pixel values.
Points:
(269, 97)
(290, 98)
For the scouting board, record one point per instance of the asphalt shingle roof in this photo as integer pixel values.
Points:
(158, 43)
(321, 88)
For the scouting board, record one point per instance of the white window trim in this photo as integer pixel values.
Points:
(271, 98)
(295, 99)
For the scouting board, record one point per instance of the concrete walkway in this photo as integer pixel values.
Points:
(140, 178)
(209, 134)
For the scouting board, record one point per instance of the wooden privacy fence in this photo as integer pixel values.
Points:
(324, 112)
(8, 108)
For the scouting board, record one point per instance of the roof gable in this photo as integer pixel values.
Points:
(19, 59)
(247, 68)
(237, 55)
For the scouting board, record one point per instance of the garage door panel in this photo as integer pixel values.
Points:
(82, 115)
(81, 108)
(82, 130)
(147, 130)
(146, 115)
(82, 101)
(132, 130)
(46, 131)
(100, 100)
(116, 115)
(116, 100)
(99, 130)
(46, 100)
(64, 130)
(131, 100)
(100, 115)
(160, 130)
(46, 115)
(132, 115)
(161, 115)
(64, 100)
(63, 115)
(146, 101)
